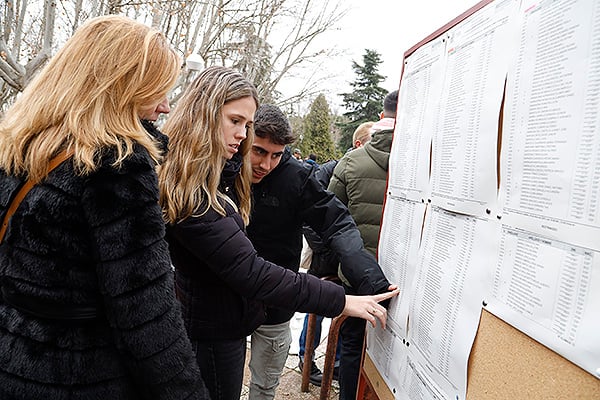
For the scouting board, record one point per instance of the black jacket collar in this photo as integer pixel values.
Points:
(230, 172)
(159, 137)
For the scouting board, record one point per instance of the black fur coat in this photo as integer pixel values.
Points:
(97, 239)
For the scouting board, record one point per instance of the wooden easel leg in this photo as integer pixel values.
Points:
(332, 339)
(308, 351)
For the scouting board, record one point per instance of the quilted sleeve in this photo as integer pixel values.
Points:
(337, 184)
(221, 243)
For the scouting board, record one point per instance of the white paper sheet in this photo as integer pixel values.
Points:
(547, 281)
(453, 276)
(418, 102)
(398, 256)
(398, 251)
(464, 146)
(386, 349)
(551, 141)
(417, 383)
(550, 290)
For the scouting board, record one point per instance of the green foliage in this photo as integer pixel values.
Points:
(365, 102)
(316, 136)
(297, 124)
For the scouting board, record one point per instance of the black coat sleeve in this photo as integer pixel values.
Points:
(220, 242)
(331, 220)
(136, 279)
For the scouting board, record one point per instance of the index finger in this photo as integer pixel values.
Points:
(386, 295)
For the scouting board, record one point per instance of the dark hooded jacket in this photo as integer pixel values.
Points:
(223, 284)
(290, 196)
(92, 241)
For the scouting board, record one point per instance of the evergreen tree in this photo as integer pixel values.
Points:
(297, 124)
(365, 102)
(317, 131)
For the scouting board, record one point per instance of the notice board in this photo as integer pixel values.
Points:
(491, 223)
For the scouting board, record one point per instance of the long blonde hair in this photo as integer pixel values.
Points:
(190, 176)
(88, 97)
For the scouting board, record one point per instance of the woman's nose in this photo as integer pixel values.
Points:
(163, 107)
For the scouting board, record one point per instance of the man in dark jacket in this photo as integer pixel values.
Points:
(324, 261)
(286, 196)
(359, 180)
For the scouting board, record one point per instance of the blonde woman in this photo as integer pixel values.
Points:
(205, 194)
(88, 309)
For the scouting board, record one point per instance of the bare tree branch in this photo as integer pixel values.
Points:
(8, 60)
(268, 40)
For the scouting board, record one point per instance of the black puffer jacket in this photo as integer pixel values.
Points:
(222, 283)
(290, 196)
(96, 241)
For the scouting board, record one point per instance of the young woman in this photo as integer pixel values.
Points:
(88, 309)
(205, 195)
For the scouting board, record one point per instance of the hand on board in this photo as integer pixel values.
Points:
(368, 307)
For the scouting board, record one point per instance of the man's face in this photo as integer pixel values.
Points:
(264, 157)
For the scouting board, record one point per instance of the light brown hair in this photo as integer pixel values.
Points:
(190, 176)
(89, 97)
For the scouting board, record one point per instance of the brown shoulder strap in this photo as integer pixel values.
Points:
(55, 162)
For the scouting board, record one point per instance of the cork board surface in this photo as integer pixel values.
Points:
(507, 364)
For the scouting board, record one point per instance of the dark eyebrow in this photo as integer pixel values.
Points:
(258, 148)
